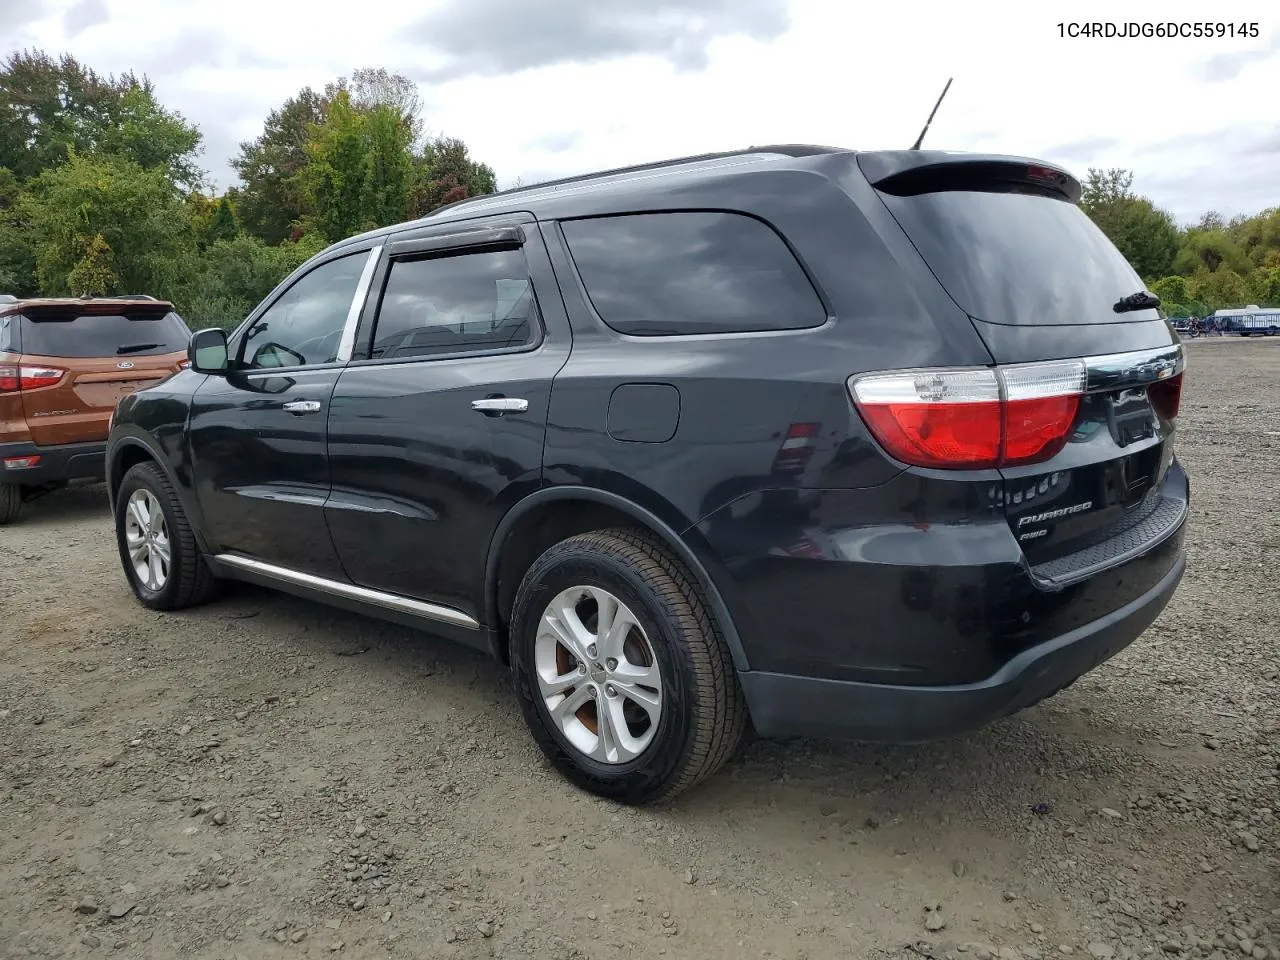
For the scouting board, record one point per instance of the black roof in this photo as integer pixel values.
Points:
(902, 168)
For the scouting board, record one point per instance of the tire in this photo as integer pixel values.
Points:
(702, 713)
(10, 502)
(186, 579)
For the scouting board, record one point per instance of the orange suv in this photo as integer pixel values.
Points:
(63, 365)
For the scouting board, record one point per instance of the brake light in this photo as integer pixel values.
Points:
(34, 377)
(1166, 397)
(14, 378)
(975, 417)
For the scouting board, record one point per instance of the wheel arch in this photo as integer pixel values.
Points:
(127, 450)
(555, 513)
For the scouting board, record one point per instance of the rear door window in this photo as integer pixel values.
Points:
(1019, 258)
(658, 274)
(126, 334)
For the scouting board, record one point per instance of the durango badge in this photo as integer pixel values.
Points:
(1055, 514)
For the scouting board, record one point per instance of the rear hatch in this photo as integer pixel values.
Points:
(79, 359)
(1040, 282)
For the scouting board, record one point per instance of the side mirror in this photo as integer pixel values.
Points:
(207, 351)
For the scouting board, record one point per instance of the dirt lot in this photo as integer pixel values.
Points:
(268, 778)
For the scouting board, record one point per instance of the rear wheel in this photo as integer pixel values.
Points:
(624, 679)
(157, 548)
(10, 502)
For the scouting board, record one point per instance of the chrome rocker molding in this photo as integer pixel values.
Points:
(388, 601)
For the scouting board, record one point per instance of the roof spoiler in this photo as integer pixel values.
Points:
(51, 309)
(912, 172)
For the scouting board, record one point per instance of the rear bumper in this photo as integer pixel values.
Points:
(787, 705)
(72, 461)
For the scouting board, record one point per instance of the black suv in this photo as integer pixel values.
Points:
(875, 445)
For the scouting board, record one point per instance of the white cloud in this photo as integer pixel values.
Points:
(1192, 117)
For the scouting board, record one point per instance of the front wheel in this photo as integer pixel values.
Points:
(159, 552)
(624, 678)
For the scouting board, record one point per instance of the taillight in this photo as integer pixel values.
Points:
(1166, 397)
(35, 377)
(975, 417)
(1042, 400)
(14, 378)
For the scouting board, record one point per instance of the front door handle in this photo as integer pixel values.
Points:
(299, 407)
(500, 405)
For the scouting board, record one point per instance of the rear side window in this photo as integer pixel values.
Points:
(7, 325)
(143, 334)
(658, 274)
(456, 304)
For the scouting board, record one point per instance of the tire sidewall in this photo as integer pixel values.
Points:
(141, 478)
(568, 566)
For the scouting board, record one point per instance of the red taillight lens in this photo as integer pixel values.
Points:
(973, 418)
(1042, 400)
(8, 378)
(1166, 397)
(934, 418)
(33, 378)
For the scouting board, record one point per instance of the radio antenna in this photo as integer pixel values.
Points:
(920, 139)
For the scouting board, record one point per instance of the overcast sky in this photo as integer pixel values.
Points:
(542, 88)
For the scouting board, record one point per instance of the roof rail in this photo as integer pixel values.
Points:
(134, 296)
(785, 149)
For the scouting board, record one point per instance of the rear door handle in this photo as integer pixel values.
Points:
(501, 405)
(298, 407)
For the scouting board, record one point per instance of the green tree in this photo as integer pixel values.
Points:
(94, 273)
(51, 109)
(359, 171)
(1258, 236)
(221, 225)
(1222, 289)
(372, 87)
(1264, 286)
(17, 253)
(1175, 296)
(1209, 250)
(273, 195)
(152, 137)
(90, 215)
(446, 174)
(1143, 233)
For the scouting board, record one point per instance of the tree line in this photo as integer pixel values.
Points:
(1214, 264)
(101, 193)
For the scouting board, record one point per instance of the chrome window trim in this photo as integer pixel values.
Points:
(346, 345)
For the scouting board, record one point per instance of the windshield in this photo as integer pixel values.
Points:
(104, 335)
(1019, 259)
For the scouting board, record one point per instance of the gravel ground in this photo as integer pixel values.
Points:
(267, 778)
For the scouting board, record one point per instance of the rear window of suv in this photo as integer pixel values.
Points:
(1018, 258)
(658, 274)
(68, 334)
